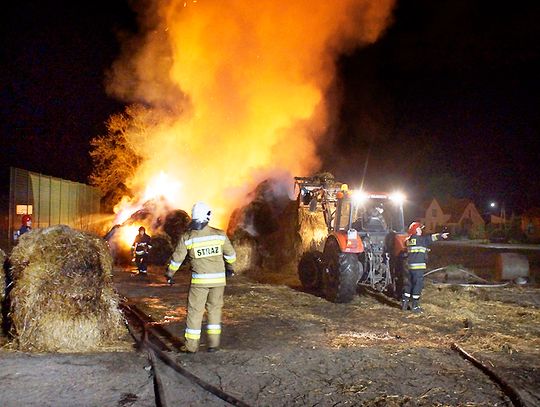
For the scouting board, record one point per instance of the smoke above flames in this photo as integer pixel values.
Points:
(241, 88)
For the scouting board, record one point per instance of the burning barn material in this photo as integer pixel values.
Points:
(63, 298)
(272, 232)
(163, 224)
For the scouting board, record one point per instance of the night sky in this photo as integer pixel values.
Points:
(446, 102)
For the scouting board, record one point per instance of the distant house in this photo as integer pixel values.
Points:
(459, 216)
(530, 224)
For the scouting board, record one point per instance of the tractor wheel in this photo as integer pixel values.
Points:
(310, 270)
(341, 274)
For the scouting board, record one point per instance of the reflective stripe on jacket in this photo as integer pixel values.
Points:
(208, 249)
(417, 248)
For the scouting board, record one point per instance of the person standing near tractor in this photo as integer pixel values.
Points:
(208, 249)
(417, 248)
(141, 247)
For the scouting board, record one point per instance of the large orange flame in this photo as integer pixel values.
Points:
(242, 86)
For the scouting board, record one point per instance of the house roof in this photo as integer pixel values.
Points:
(455, 208)
(532, 212)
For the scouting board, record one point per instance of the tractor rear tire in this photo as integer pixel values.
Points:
(310, 269)
(341, 274)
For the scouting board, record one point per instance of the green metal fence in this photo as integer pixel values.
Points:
(51, 201)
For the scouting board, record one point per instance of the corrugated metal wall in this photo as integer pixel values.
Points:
(51, 201)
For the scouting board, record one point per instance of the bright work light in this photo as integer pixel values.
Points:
(397, 197)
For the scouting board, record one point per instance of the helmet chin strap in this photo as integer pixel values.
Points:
(197, 224)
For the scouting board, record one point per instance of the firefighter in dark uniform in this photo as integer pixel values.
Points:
(141, 247)
(208, 249)
(417, 248)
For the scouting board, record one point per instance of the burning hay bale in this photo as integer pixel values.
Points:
(63, 299)
(162, 249)
(164, 225)
(176, 223)
(271, 233)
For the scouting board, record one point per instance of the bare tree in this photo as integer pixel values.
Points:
(114, 155)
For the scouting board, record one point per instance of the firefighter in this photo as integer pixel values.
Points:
(417, 248)
(141, 247)
(26, 226)
(208, 249)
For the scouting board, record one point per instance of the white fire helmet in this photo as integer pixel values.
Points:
(201, 212)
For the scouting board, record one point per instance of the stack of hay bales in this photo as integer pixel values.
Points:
(63, 298)
(271, 233)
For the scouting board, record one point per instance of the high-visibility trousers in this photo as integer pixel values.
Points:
(200, 298)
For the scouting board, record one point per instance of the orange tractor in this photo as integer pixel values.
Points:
(364, 244)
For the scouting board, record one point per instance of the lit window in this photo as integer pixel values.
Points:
(24, 209)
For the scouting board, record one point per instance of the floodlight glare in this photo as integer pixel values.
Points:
(397, 197)
(359, 196)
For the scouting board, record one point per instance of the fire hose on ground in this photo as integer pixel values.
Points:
(155, 346)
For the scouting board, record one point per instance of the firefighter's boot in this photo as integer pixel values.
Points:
(405, 304)
(416, 307)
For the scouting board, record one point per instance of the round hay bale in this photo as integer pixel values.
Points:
(162, 249)
(312, 229)
(247, 257)
(63, 298)
(176, 223)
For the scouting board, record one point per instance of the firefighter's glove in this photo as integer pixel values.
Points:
(169, 275)
(445, 235)
(229, 270)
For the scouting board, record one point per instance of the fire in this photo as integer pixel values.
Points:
(242, 89)
(161, 186)
(128, 234)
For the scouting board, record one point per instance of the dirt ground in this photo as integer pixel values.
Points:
(284, 347)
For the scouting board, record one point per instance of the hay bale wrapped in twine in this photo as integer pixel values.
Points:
(63, 298)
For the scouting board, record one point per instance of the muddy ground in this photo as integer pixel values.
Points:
(283, 346)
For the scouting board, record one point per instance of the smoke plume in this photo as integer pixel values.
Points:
(241, 88)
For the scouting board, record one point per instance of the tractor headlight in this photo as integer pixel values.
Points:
(359, 197)
(397, 197)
